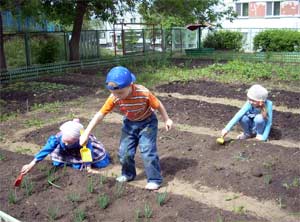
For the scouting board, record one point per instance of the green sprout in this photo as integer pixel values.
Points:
(148, 211)
(119, 189)
(12, 196)
(161, 198)
(73, 197)
(28, 185)
(103, 201)
(91, 185)
(53, 213)
(79, 215)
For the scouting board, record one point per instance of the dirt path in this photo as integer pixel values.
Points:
(115, 118)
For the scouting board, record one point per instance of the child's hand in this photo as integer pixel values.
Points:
(224, 132)
(259, 137)
(83, 139)
(90, 170)
(168, 124)
(26, 168)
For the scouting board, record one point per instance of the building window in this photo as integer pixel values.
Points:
(273, 8)
(242, 9)
(102, 35)
(132, 20)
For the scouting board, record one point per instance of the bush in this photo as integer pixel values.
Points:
(48, 51)
(224, 40)
(279, 40)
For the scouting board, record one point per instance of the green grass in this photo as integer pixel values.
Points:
(232, 71)
(48, 107)
(34, 123)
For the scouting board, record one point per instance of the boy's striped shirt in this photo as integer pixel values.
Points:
(136, 107)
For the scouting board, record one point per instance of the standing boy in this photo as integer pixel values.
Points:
(137, 104)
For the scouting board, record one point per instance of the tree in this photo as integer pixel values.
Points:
(69, 12)
(2, 54)
(181, 12)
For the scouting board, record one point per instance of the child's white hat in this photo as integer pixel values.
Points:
(257, 93)
(71, 129)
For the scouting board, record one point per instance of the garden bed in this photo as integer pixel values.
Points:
(203, 181)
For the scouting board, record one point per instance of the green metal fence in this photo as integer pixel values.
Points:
(24, 50)
(281, 57)
(35, 72)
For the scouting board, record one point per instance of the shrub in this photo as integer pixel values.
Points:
(277, 41)
(224, 40)
(48, 51)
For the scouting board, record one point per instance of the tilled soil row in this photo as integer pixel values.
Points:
(73, 196)
(234, 91)
(249, 168)
(216, 116)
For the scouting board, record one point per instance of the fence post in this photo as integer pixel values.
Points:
(65, 46)
(123, 41)
(181, 43)
(143, 36)
(97, 43)
(27, 49)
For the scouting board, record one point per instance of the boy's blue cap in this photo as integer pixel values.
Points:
(121, 76)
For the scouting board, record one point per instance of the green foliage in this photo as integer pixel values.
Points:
(48, 51)
(2, 157)
(34, 123)
(183, 12)
(161, 198)
(36, 87)
(102, 179)
(12, 197)
(280, 40)
(79, 215)
(103, 201)
(148, 211)
(73, 197)
(224, 40)
(27, 184)
(7, 116)
(14, 51)
(239, 209)
(268, 179)
(119, 189)
(248, 71)
(90, 185)
(48, 107)
(53, 212)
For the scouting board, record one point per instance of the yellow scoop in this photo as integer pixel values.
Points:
(85, 153)
(220, 140)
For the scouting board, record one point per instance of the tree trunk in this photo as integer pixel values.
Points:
(77, 25)
(2, 55)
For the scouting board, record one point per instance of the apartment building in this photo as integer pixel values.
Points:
(264, 14)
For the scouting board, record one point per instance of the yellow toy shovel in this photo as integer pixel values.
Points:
(221, 140)
(86, 155)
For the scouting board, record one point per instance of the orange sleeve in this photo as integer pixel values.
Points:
(108, 106)
(153, 101)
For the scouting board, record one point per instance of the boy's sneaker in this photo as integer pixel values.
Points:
(122, 179)
(152, 186)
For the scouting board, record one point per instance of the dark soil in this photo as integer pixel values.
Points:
(256, 169)
(234, 91)
(72, 197)
(216, 116)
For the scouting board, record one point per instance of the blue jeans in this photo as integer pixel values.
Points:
(253, 126)
(142, 133)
